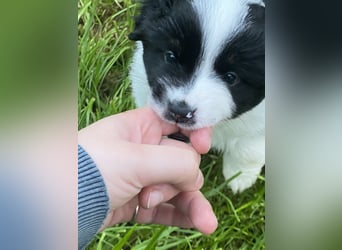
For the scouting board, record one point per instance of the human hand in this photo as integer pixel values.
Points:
(142, 167)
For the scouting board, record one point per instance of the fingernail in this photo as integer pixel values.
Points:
(200, 179)
(154, 199)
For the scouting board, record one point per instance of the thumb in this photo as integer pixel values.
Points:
(178, 166)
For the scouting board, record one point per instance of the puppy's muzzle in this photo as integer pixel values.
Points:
(180, 112)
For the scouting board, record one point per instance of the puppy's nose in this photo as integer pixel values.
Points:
(181, 112)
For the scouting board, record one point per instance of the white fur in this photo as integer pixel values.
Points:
(242, 140)
(229, 17)
(141, 90)
(197, 96)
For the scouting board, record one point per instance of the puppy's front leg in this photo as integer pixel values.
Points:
(245, 156)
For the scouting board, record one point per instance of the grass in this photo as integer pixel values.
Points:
(104, 57)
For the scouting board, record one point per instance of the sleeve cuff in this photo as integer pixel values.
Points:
(93, 201)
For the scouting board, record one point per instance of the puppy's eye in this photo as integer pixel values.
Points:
(232, 78)
(170, 57)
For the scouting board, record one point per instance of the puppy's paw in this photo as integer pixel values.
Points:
(244, 180)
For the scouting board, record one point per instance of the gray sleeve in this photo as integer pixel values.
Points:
(93, 201)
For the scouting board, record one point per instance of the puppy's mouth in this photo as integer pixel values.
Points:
(179, 137)
(186, 120)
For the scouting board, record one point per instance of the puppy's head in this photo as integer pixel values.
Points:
(204, 60)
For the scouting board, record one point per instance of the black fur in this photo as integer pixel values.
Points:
(245, 55)
(168, 26)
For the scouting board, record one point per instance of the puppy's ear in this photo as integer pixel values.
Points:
(159, 6)
(151, 11)
(138, 33)
(136, 36)
(166, 5)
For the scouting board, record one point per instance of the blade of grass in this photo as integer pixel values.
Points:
(124, 240)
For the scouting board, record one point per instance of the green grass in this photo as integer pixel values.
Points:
(104, 57)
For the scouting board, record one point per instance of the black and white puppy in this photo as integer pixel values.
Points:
(201, 63)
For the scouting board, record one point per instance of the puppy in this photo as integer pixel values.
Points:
(201, 63)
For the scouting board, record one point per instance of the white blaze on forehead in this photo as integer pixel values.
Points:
(220, 21)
